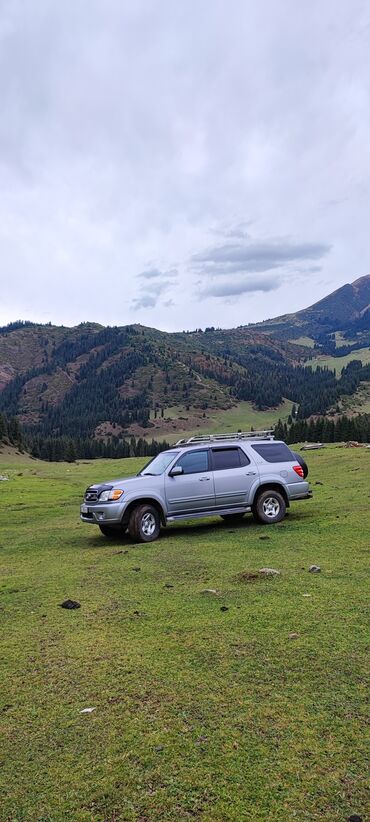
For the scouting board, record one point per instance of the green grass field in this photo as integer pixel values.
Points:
(240, 417)
(308, 342)
(200, 713)
(359, 402)
(338, 363)
(340, 340)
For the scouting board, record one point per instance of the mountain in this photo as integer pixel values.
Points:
(96, 383)
(345, 310)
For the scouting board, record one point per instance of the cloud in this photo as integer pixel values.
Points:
(145, 301)
(157, 282)
(233, 289)
(256, 256)
(154, 273)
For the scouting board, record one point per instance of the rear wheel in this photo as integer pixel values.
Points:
(144, 524)
(112, 532)
(270, 507)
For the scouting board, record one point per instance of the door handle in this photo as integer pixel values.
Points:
(251, 473)
(204, 479)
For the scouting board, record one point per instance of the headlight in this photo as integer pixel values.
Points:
(112, 494)
(116, 493)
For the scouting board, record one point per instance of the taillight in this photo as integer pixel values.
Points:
(299, 470)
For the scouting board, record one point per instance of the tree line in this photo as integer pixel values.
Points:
(324, 429)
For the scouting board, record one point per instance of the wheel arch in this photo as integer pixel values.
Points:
(274, 486)
(143, 501)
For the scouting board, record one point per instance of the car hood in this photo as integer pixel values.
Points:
(123, 482)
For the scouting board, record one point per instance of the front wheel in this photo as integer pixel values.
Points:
(270, 507)
(144, 524)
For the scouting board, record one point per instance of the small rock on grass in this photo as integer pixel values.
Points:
(224, 608)
(293, 635)
(314, 569)
(87, 710)
(354, 818)
(209, 591)
(70, 604)
(269, 572)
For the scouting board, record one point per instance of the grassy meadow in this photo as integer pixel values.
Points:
(337, 363)
(205, 708)
(240, 417)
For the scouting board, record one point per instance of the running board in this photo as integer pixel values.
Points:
(202, 514)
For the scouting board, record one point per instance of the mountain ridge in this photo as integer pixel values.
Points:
(91, 381)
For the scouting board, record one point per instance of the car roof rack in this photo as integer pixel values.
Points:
(238, 435)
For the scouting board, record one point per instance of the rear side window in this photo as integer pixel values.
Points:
(194, 462)
(223, 458)
(274, 452)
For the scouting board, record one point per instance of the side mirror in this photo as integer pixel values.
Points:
(177, 470)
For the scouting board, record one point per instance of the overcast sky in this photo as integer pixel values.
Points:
(181, 163)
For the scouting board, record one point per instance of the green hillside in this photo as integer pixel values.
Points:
(337, 363)
(74, 389)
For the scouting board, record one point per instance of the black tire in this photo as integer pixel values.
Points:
(112, 532)
(269, 507)
(144, 523)
(232, 517)
(302, 463)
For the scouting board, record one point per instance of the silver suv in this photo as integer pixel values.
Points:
(228, 475)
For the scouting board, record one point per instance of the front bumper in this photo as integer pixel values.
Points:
(109, 513)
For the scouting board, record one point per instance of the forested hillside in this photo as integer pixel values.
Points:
(345, 311)
(90, 387)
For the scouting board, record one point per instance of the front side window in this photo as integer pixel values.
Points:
(224, 458)
(194, 462)
(158, 465)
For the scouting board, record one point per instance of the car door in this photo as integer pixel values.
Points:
(193, 490)
(233, 475)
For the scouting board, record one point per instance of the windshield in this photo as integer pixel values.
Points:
(158, 465)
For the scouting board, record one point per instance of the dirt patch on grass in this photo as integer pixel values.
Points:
(248, 576)
(253, 576)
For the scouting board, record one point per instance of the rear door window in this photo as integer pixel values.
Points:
(274, 452)
(225, 458)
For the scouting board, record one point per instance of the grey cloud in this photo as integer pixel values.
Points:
(154, 273)
(233, 289)
(257, 256)
(151, 273)
(145, 301)
(235, 267)
(151, 291)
